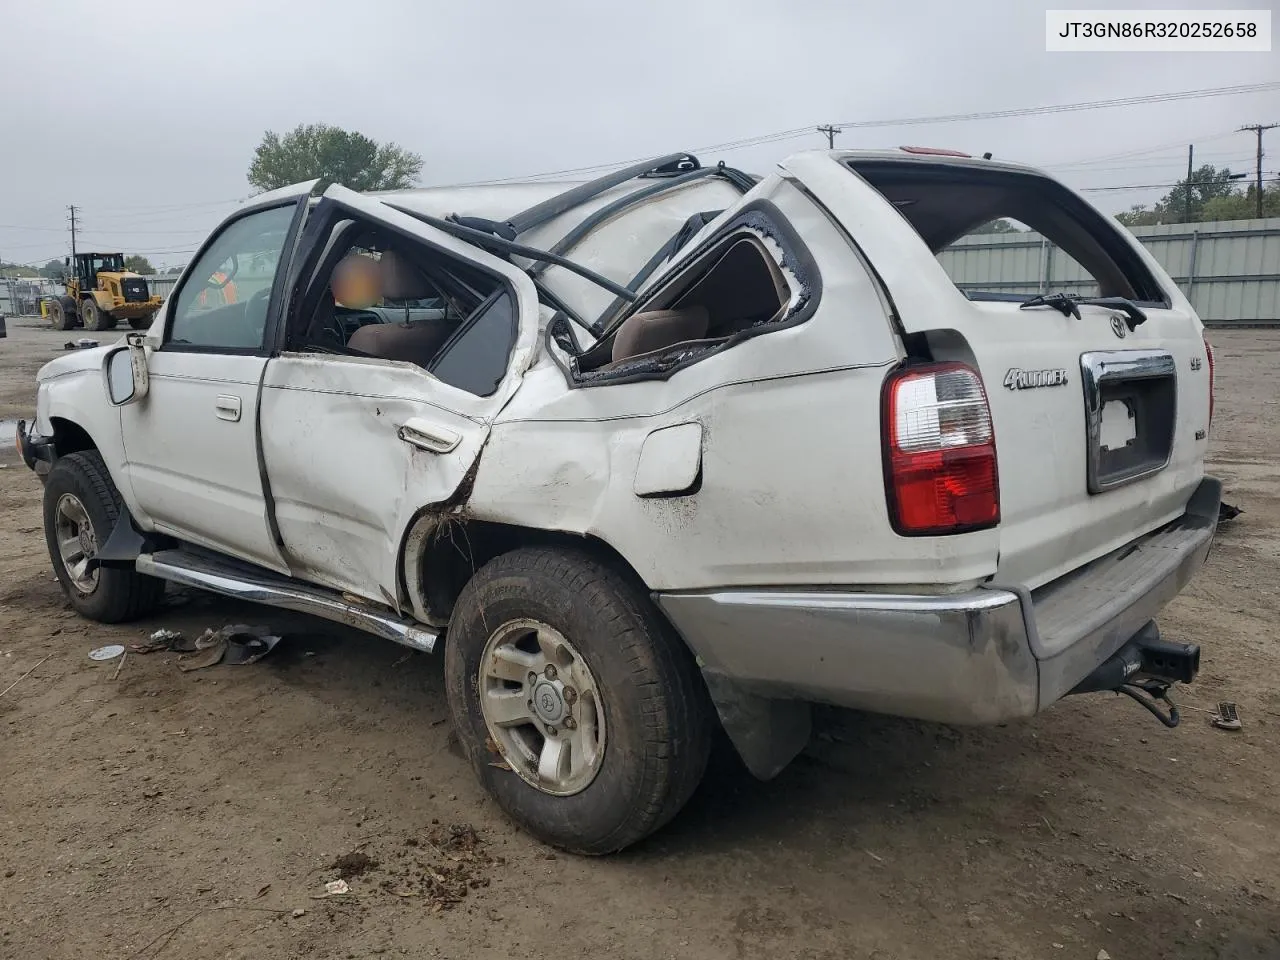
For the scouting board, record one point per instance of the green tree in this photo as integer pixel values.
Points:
(1138, 216)
(1187, 201)
(1243, 206)
(332, 154)
(139, 264)
(1192, 193)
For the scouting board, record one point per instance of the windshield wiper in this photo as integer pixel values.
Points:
(1068, 306)
(1059, 301)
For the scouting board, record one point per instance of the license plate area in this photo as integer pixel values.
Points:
(1131, 409)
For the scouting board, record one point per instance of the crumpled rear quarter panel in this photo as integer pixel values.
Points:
(791, 491)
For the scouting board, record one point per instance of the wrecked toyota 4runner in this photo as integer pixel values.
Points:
(673, 448)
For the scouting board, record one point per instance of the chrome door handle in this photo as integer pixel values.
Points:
(227, 407)
(429, 436)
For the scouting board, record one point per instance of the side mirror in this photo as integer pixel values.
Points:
(126, 372)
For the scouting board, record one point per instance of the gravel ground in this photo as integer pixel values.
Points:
(156, 813)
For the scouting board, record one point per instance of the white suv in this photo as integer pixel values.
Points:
(674, 447)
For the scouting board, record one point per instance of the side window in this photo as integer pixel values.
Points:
(223, 300)
(475, 360)
(385, 296)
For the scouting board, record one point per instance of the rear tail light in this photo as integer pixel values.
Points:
(1208, 350)
(940, 451)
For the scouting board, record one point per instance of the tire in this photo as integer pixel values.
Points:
(60, 316)
(657, 716)
(93, 316)
(116, 594)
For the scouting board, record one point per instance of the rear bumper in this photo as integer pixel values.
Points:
(985, 656)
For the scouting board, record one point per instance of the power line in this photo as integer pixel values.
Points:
(161, 233)
(1146, 186)
(915, 121)
(177, 206)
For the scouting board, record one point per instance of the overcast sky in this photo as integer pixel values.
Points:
(145, 113)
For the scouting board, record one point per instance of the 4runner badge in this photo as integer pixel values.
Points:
(1017, 379)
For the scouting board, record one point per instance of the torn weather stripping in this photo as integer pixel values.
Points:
(755, 275)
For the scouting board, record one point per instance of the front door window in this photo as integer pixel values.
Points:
(223, 299)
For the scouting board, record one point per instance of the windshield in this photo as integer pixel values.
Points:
(108, 262)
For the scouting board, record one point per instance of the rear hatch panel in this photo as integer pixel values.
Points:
(1101, 426)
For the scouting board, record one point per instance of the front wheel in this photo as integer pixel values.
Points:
(581, 711)
(81, 506)
(92, 315)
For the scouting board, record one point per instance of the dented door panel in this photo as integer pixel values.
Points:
(354, 447)
(345, 482)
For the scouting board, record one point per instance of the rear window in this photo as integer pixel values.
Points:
(1007, 235)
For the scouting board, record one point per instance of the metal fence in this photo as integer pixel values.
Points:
(21, 297)
(1229, 270)
(160, 286)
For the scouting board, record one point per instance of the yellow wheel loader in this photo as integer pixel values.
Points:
(102, 292)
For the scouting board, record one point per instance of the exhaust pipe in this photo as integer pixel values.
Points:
(1145, 657)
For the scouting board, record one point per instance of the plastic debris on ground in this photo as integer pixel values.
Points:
(1227, 717)
(160, 640)
(236, 644)
(84, 343)
(335, 888)
(109, 652)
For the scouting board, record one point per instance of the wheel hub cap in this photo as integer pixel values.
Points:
(77, 542)
(548, 702)
(542, 707)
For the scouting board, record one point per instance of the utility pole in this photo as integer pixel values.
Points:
(72, 208)
(1259, 129)
(830, 133)
(1186, 196)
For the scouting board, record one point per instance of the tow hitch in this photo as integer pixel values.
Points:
(1144, 669)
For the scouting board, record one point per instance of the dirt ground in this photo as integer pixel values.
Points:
(157, 813)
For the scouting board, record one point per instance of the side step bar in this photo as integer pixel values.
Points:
(243, 582)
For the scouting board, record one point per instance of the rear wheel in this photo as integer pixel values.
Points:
(81, 506)
(581, 711)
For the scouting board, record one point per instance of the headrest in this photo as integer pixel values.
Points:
(401, 280)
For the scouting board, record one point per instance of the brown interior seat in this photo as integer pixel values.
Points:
(415, 342)
(645, 332)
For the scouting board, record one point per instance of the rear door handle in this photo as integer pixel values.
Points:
(227, 407)
(429, 436)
